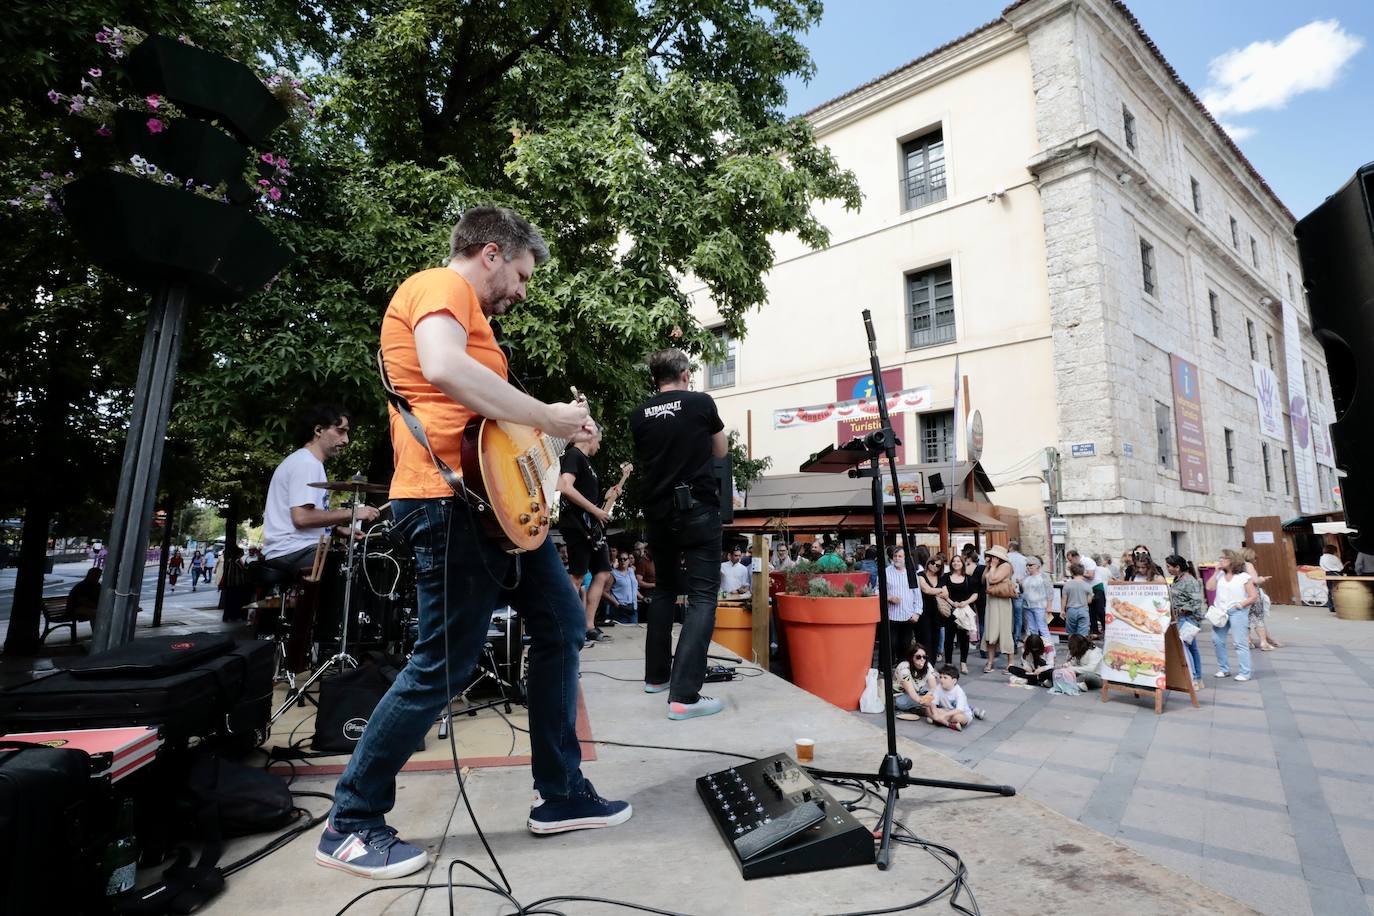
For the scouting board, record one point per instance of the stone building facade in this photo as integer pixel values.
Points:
(1046, 201)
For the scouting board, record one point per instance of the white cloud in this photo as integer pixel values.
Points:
(1237, 132)
(1266, 75)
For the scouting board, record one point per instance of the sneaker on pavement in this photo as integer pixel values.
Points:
(595, 635)
(372, 853)
(578, 812)
(1242, 677)
(980, 714)
(704, 706)
(655, 688)
(1223, 674)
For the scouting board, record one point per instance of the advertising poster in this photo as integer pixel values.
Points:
(856, 387)
(1192, 444)
(1299, 418)
(897, 402)
(1133, 651)
(1321, 439)
(1269, 402)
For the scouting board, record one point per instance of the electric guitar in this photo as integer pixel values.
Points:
(514, 469)
(596, 530)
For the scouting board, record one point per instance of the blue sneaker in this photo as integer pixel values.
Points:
(704, 706)
(372, 853)
(578, 812)
(654, 688)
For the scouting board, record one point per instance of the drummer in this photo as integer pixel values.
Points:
(297, 514)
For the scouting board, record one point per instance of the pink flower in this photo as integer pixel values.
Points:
(54, 96)
(95, 73)
(102, 36)
(281, 162)
(274, 193)
(155, 126)
(78, 104)
(268, 158)
(153, 100)
(103, 131)
(264, 182)
(45, 175)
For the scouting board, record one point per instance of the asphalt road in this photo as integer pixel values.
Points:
(65, 575)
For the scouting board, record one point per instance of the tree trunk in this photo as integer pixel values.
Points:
(26, 613)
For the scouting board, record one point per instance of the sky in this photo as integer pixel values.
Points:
(1293, 82)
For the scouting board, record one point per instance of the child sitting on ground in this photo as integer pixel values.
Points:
(951, 707)
(1037, 662)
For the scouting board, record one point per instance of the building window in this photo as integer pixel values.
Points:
(930, 307)
(1214, 305)
(1320, 387)
(923, 176)
(1128, 125)
(1305, 382)
(1163, 434)
(1290, 286)
(1254, 251)
(1250, 333)
(1147, 267)
(1230, 438)
(1235, 234)
(1197, 196)
(1264, 457)
(1283, 456)
(1269, 343)
(937, 436)
(722, 374)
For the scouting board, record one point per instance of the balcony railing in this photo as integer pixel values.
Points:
(921, 189)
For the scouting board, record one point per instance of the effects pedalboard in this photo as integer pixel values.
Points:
(778, 821)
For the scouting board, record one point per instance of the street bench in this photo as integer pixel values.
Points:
(55, 617)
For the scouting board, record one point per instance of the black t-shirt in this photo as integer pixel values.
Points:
(672, 432)
(585, 481)
(958, 591)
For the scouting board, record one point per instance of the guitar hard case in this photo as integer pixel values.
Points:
(229, 694)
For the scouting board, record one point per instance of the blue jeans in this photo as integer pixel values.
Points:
(1190, 648)
(462, 576)
(1034, 621)
(1076, 621)
(686, 547)
(1238, 624)
(1018, 612)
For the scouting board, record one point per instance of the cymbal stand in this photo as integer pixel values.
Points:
(341, 657)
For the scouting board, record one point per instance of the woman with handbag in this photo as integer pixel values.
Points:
(1185, 596)
(1235, 593)
(997, 636)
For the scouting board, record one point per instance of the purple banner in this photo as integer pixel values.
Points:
(1192, 445)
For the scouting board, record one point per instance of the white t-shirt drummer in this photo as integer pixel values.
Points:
(291, 487)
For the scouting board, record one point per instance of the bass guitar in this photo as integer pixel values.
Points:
(514, 469)
(595, 528)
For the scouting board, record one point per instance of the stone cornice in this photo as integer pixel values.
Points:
(992, 41)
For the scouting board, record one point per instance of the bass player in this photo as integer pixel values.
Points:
(441, 356)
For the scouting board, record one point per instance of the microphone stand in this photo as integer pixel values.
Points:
(893, 772)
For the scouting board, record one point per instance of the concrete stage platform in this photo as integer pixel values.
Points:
(1022, 856)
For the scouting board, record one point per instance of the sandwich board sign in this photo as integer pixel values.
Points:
(1141, 649)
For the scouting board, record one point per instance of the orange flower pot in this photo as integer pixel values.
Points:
(735, 631)
(830, 641)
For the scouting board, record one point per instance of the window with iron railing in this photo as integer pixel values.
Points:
(930, 307)
(937, 436)
(923, 170)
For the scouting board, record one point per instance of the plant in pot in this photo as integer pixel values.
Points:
(830, 629)
(798, 578)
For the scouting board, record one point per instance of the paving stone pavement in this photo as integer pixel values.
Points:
(1263, 792)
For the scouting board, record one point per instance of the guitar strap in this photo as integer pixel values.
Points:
(417, 429)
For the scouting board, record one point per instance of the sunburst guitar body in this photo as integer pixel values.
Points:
(514, 468)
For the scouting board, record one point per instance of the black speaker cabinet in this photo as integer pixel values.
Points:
(1336, 247)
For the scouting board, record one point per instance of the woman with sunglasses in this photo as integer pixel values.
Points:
(932, 590)
(916, 680)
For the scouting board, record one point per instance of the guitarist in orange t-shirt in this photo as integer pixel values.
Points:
(442, 358)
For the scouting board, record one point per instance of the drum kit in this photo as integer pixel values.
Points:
(380, 609)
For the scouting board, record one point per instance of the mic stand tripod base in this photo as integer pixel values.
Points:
(298, 694)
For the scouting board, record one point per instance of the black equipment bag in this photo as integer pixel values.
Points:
(347, 701)
(228, 695)
(153, 656)
(54, 818)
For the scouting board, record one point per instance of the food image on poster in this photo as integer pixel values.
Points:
(1133, 651)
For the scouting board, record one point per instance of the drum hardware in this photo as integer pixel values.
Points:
(358, 485)
(504, 627)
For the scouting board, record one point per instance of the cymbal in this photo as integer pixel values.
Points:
(350, 486)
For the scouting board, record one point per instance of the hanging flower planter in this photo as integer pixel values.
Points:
(191, 150)
(207, 85)
(149, 233)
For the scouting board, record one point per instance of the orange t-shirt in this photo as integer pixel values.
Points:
(425, 293)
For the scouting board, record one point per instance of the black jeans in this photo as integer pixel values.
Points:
(1097, 610)
(1044, 678)
(955, 632)
(686, 548)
